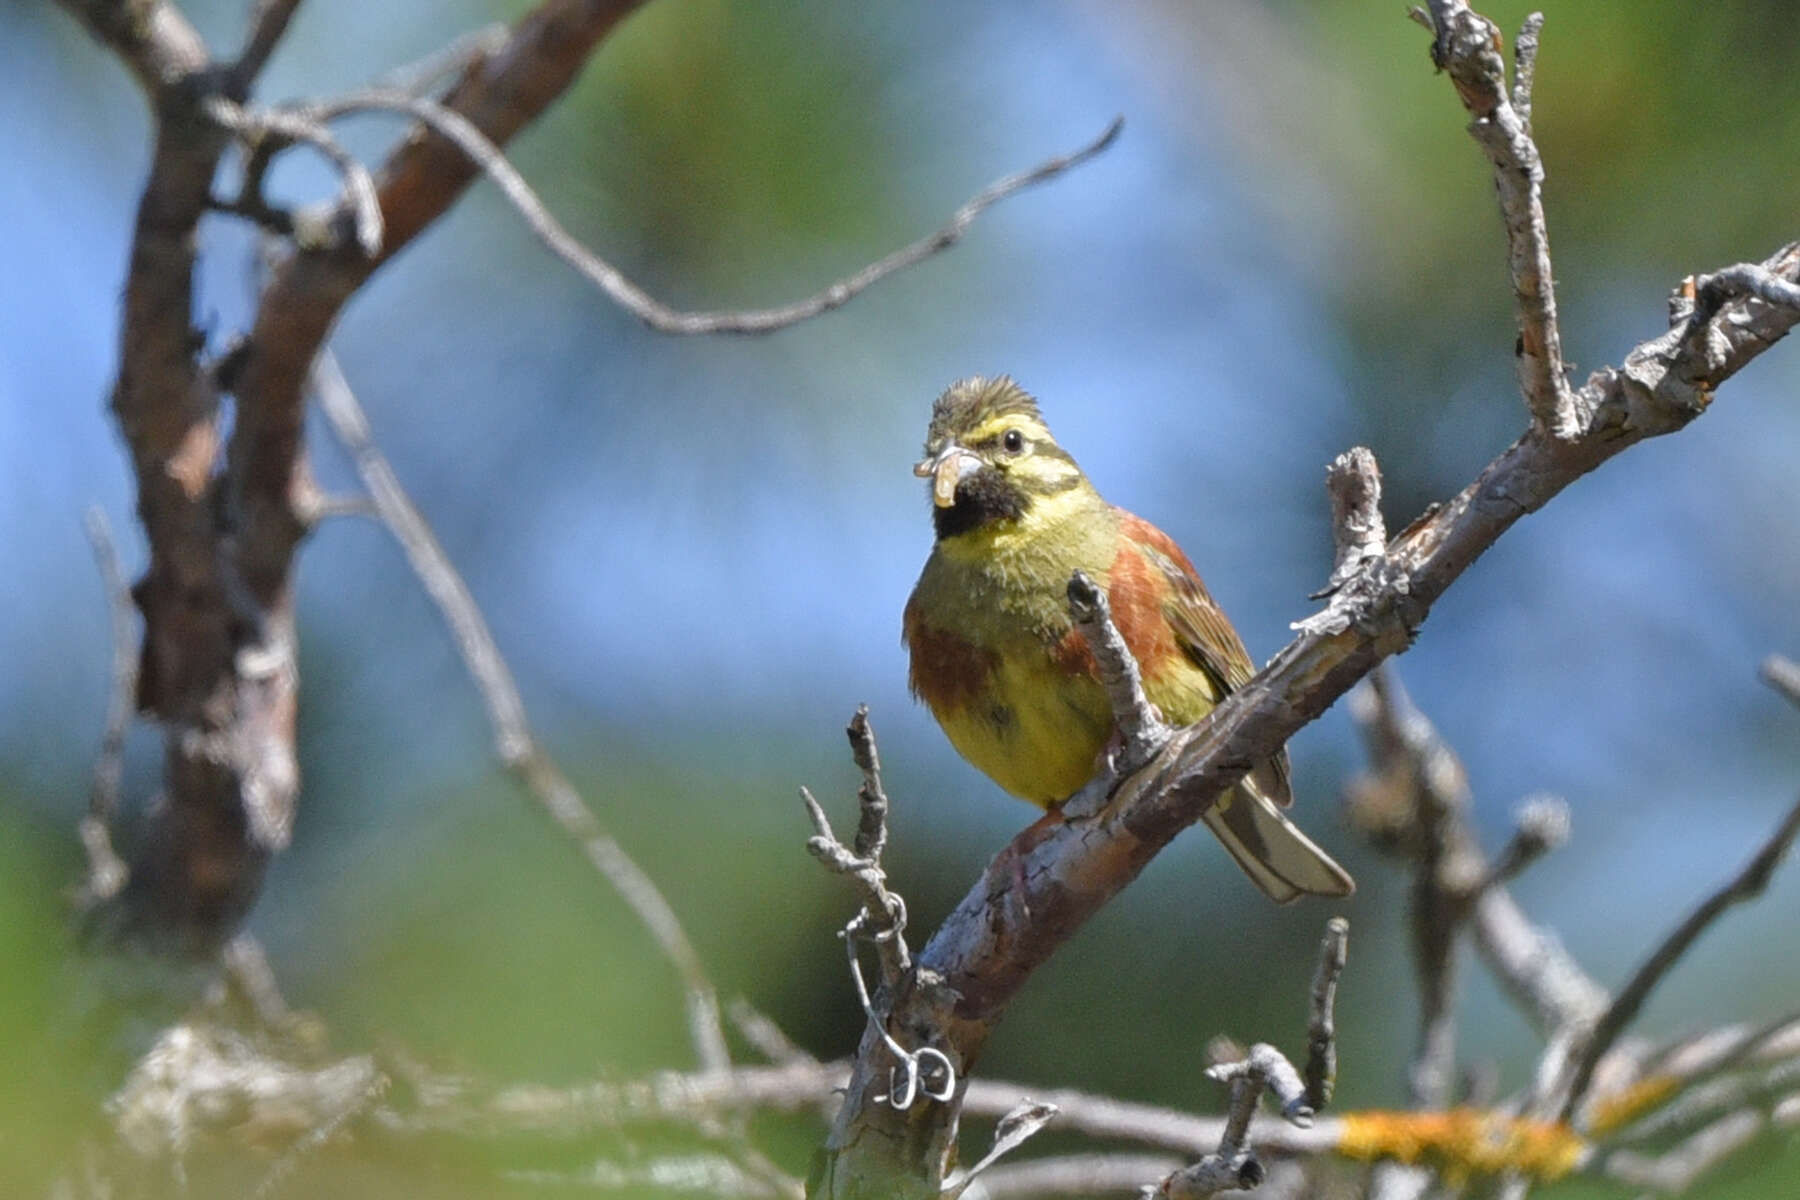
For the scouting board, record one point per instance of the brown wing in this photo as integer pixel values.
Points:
(1205, 635)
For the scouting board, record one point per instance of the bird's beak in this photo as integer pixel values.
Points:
(952, 465)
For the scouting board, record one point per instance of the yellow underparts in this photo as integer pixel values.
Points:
(1036, 728)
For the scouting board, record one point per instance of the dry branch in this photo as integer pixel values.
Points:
(1048, 882)
(1746, 885)
(107, 872)
(632, 297)
(1467, 46)
(1353, 482)
(1782, 674)
(1140, 726)
(514, 742)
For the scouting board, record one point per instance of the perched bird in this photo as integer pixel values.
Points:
(997, 658)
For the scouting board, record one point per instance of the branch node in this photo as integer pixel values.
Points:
(926, 1072)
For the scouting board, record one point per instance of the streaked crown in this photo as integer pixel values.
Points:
(970, 404)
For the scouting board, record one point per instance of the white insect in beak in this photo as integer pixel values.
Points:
(952, 465)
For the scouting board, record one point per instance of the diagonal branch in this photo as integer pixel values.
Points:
(514, 741)
(264, 131)
(1746, 885)
(216, 666)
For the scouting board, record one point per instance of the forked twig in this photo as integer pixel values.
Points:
(633, 298)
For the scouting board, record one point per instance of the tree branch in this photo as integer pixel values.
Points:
(1139, 724)
(1746, 885)
(1782, 674)
(514, 742)
(268, 24)
(107, 872)
(1467, 45)
(265, 132)
(1353, 482)
(1233, 1166)
(634, 299)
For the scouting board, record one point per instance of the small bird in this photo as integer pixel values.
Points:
(997, 658)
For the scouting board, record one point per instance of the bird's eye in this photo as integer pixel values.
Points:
(1013, 441)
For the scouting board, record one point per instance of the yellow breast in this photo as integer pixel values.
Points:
(1036, 730)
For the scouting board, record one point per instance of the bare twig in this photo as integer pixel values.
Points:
(247, 970)
(871, 827)
(514, 741)
(764, 1035)
(1540, 826)
(1233, 1166)
(1081, 1175)
(884, 912)
(1676, 1170)
(633, 298)
(1353, 482)
(1142, 728)
(711, 1175)
(268, 23)
(255, 127)
(1541, 976)
(1467, 45)
(1428, 803)
(195, 1075)
(1746, 885)
(1321, 1026)
(106, 870)
(1782, 674)
(1525, 51)
(1743, 279)
(1017, 1127)
(416, 78)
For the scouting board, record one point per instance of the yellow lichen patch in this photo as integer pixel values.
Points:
(1628, 1104)
(1464, 1142)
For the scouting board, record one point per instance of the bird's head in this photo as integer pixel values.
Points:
(990, 457)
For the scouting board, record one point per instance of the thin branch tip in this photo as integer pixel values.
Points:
(1140, 726)
(1750, 882)
(1782, 674)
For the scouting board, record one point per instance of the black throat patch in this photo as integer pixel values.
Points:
(982, 499)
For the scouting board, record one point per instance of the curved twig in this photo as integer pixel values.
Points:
(632, 297)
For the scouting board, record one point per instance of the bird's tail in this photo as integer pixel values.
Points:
(1277, 857)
